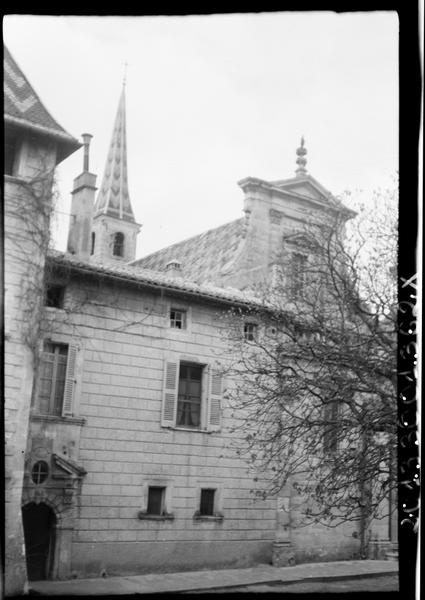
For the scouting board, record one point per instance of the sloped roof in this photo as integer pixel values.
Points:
(23, 108)
(203, 257)
(155, 280)
(113, 198)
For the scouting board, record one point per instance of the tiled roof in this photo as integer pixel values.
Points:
(203, 257)
(155, 280)
(113, 198)
(23, 107)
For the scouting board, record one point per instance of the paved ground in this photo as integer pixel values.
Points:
(200, 581)
(378, 583)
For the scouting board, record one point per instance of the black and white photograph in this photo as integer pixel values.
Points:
(202, 307)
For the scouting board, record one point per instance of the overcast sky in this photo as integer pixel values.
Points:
(214, 99)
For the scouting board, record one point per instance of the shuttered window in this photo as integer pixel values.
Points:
(191, 396)
(57, 379)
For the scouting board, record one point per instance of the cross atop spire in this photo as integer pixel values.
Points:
(301, 161)
(113, 198)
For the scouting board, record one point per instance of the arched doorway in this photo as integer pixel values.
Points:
(39, 530)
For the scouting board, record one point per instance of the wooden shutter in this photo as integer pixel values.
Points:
(169, 397)
(69, 390)
(214, 399)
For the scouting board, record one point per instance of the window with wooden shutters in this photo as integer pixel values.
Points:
(169, 399)
(57, 379)
(191, 396)
(214, 400)
(68, 394)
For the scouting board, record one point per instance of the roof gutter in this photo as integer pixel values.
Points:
(68, 143)
(155, 286)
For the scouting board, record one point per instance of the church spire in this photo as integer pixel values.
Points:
(113, 198)
(114, 229)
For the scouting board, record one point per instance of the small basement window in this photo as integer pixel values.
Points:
(178, 318)
(39, 472)
(250, 331)
(156, 500)
(55, 295)
(206, 508)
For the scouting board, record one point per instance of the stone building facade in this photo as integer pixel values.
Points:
(129, 465)
(34, 145)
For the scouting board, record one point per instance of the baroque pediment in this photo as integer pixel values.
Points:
(299, 239)
(65, 467)
(306, 187)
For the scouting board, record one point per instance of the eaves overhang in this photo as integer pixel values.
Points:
(66, 143)
(156, 282)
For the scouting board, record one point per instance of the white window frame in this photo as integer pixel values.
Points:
(73, 386)
(212, 388)
(174, 332)
(205, 483)
(167, 512)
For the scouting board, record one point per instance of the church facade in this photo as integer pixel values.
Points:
(130, 464)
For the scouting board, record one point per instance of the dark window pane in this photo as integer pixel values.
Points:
(195, 373)
(155, 500)
(10, 150)
(189, 396)
(118, 249)
(207, 502)
(54, 296)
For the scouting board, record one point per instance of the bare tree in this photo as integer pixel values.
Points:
(316, 366)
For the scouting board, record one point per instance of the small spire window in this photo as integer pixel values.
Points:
(93, 242)
(118, 245)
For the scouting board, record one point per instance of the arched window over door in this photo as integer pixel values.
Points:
(118, 246)
(39, 523)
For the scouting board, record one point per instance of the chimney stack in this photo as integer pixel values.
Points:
(82, 203)
(174, 268)
(86, 141)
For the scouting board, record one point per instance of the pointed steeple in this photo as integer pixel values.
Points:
(113, 198)
(114, 230)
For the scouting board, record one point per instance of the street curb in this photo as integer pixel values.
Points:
(284, 578)
(272, 582)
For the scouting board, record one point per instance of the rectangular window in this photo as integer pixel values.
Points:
(177, 319)
(55, 295)
(10, 154)
(298, 275)
(250, 331)
(189, 396)
(330, 434)
(192, 395)
(206, 507)
(156, 500)
(52, 378)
